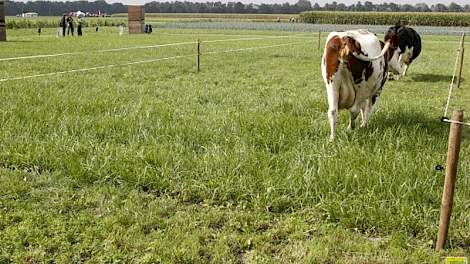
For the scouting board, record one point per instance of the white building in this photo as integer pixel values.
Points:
(29, 15)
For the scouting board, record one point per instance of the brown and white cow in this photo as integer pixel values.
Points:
(354, 69)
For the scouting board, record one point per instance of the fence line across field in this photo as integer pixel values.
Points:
(136, 47)
(299, 36)
(142, 62)
(97, 51)
(92, 68)
(243, 39)
(254, 48)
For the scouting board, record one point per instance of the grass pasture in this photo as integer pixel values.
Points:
(154, 163)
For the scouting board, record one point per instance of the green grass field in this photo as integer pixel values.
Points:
(155, 163)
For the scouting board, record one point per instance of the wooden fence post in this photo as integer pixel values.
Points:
(198, 57)
(3, 28)
(451, 172)
(461, 56)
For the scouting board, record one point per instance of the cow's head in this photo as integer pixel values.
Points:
(392, 58)
(394, 52)
(392, 36)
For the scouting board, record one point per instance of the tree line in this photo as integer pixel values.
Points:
(53, 8)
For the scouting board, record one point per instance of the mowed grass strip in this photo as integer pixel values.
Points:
(157, 163)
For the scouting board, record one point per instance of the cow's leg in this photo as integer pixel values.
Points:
(368, 108)
(365, 112)
(406, 66)
(395, 66)
(405, 60)
(354, 112)
(399, 72)
(333, 97)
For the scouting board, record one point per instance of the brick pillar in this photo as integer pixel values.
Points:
(136, 19)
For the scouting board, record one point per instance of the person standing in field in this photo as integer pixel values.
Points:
(121, 30)
(67, 24)
(79, 27)
(70, 24)
(63, 24)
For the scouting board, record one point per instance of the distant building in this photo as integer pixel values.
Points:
(30, 15)
(78, 14)
(93, 14)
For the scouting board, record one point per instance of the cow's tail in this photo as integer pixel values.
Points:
(365, 58)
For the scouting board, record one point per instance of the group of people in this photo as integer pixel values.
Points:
(67, 24)
(148, 29)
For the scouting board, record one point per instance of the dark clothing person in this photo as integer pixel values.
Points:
(79, 29)
(67, 24)
(71, 28)
(63, 25)
(70, 23)
(148, 29)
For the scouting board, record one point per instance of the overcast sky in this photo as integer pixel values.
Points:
(321, 2)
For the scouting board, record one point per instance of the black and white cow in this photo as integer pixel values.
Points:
(355, 68)
(409, 43)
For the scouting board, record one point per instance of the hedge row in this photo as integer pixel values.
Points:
(54, 22)
(386, 18)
